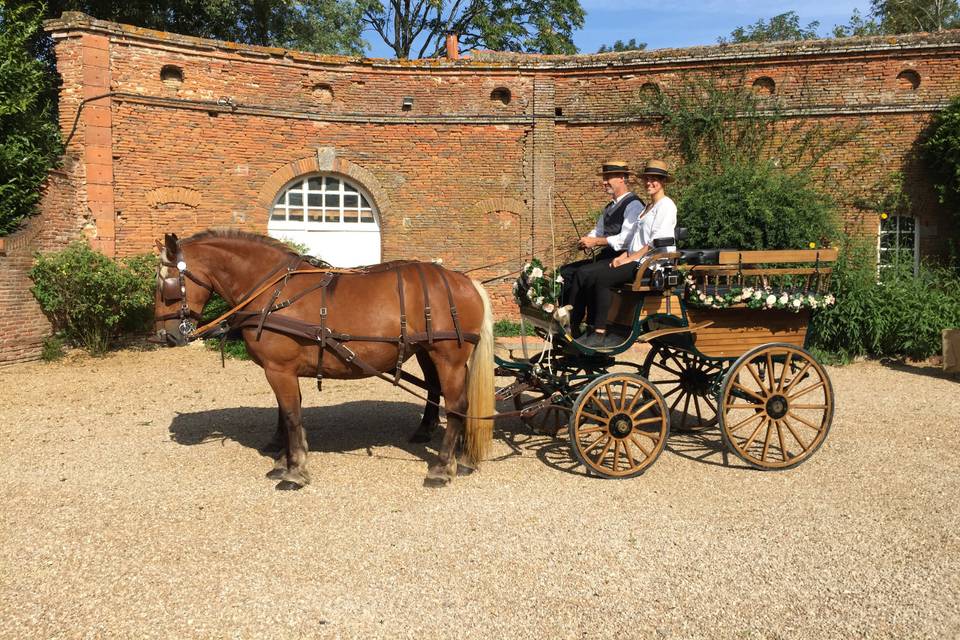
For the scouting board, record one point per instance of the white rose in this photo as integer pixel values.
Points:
(757, 295)
(709, 300)
(526, 266)
(536, 273)
(703, 297)
(813, 303)
(530, 293)
(784, 299)
(538, 301)
(771, 299)
(559, 278)
(796, 303)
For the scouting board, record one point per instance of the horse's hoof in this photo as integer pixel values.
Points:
(276, 474)
(464, 470)
(286, 485)
(435, 482)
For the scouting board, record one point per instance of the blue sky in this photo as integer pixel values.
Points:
(683, 23)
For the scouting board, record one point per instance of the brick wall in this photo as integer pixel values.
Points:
(496, 157)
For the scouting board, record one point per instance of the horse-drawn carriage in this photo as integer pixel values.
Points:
(726, 331)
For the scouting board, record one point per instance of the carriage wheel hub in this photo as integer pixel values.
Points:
(621, 425)
(695, 381)
(777, 406)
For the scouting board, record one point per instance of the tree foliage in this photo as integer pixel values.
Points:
(620, 45)
(942, 154)
(905, 16)
(323, 26)
(416, 28)
(784, 26)
(29, 136)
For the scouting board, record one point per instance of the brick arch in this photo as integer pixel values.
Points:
(512, 205)
(325, 161)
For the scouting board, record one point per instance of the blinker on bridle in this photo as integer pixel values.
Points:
(174, 289)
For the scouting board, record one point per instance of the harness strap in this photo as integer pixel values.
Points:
(403, 327)
(322, 338)
(426, 303)
(453, 307)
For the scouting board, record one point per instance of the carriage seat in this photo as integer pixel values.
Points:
(699, 256)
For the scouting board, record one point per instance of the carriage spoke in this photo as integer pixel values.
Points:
(593, 417)
(766, 441)
(756, 376)
(633, 403)
(672, 391)
(595, 399)
(803, 421)
(806, 390)
(783, 447)
(642, 409)
(745, 390)
(648, 420)
(606, 449)
(623, 395)
(677, 401)
(696, 406)
(710, 404)
(636, 442)
(770, 370)
(798, 377)
(809, 406)
(785, 371)
(686, 409)
(731, 405)
(744, 422)
(587, 430)
(629, 453)
(753, 435)
(663, 365)
(593, 444)
(796, 437)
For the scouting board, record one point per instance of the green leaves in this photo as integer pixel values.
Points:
(29, 136)
(785, 26)
(942, 153)
(90, 298)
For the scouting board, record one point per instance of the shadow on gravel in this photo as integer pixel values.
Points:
(343, 428)
(921, 369)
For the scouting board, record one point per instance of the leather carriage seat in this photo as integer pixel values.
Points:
(699, 256)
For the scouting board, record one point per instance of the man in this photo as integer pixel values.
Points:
(606, 234)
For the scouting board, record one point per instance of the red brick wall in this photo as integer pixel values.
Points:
(460, 176)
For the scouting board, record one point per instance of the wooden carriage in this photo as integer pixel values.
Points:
(734, 358)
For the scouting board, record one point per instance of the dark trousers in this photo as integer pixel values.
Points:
(569, 271)
(590, 292)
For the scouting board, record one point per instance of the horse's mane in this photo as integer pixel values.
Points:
(235, 234)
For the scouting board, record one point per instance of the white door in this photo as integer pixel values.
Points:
(332, 217)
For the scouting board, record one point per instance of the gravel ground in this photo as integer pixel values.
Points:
(135, 506)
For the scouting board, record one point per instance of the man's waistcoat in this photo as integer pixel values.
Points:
(613, 215)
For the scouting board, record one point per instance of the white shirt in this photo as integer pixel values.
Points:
(658, 220)
(597, 231)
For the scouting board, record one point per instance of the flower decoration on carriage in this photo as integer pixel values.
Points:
(537, 287)
(760, 297)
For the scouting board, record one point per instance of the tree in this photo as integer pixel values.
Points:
(322, 26)
(620, 45)
(858, 26)
(418, 27)
(942, 153)
(785, 26)
(905, 16)
(29, 136)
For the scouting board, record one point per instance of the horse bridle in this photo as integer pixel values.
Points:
(173, 289)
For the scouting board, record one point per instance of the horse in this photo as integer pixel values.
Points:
(300, 320)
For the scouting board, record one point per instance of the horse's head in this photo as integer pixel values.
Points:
(181, 295)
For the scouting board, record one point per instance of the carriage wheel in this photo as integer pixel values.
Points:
(619, 425)
(547, 421)
(686, 382)
(777, 406)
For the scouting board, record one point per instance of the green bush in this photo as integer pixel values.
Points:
(52, 349)
(942, 151)
(233, 347)
(896, 315)
(90, 298)
(752, 205)
(29, 135)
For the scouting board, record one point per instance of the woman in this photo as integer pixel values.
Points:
(657, 220)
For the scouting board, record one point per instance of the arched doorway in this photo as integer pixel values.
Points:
(335, 218)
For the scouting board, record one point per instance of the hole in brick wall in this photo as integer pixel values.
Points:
(501, 95)
(323, 93)
(171, 75)
(558, 111)
(649, 90)
(908, 80)
(764, 86)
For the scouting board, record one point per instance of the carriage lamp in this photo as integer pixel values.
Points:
(407, 103)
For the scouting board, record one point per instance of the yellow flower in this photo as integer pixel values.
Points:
(813, 245)
(883, 216)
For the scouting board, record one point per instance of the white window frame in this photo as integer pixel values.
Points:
(898, 234)
(331, 208)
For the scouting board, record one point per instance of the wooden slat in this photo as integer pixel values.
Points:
(736, 331)
(784, 255)
(726, 270)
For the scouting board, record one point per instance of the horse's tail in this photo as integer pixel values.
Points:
(480, 387)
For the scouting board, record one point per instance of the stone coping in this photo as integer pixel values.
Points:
(711, 54)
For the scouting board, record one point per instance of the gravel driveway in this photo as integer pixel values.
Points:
(135, 506)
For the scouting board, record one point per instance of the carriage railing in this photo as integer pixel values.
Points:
(805, 272)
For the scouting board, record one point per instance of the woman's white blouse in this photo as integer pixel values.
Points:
(640, 229)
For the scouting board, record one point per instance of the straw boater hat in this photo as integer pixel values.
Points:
(615, 166)
(657, 168)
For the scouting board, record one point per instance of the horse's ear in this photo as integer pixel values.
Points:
(170, 243)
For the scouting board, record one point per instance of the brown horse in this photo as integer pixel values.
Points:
(337, 323)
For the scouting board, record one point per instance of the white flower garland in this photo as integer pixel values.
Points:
(756, 298)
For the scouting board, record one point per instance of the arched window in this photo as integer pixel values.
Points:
(898, 242)
(333, 217)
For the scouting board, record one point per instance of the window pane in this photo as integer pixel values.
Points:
(364, 203)
(332, 184)
(314, 200)
(349, 188)
(350, 216)
(332, 200)
(887, 240)
(350, 201)
(331, 216)
(295, 198)
(906, 224)
(279, 213)
(366, 215)
(296, 214)
(315, 215)
(315, 184)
